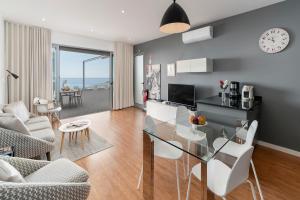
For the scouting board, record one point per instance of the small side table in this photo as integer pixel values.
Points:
(75, 127)
(7, 151)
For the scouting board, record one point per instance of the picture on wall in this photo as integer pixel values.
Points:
(171, 69)
(153, 74)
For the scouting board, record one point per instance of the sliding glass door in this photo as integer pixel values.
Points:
(98, 79)
(83, 82)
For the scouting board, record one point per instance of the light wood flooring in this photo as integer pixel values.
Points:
(114, 172)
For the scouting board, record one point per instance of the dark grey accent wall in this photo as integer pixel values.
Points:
(237, 57)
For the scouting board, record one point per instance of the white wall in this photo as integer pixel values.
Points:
(2, 67)
(72, 40)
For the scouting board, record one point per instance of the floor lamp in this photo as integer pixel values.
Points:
(15, 76)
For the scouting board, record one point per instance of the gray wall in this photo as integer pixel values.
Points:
(238, 57)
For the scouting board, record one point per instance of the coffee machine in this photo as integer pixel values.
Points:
(247, 93)
(234, 90)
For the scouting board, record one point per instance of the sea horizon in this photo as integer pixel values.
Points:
(89, 82)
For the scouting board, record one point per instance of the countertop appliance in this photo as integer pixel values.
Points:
(247, 93)
(234, 90)
(247, 104)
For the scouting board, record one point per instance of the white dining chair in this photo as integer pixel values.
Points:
(163, 150)
(235, 149)
(184, 130)
(43, 108)
(221, 179)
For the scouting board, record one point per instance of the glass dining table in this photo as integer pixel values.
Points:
(202, 142)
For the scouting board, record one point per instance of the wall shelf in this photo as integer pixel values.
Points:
(194, 65)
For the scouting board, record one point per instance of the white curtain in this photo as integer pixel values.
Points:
(123, 76)
(28, 54)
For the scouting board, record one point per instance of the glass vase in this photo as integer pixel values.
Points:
(223, 96)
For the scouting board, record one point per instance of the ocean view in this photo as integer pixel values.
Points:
(89, 82)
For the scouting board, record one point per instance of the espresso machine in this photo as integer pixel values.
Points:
(234, 93)
(248, 93)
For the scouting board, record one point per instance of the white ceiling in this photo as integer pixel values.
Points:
(103, 19)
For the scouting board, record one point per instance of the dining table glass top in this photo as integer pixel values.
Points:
(200, 141)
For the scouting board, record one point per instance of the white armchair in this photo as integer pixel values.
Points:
(61, 179)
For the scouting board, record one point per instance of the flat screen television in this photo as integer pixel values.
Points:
(181, 94)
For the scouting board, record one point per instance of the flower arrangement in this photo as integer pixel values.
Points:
(224, 84)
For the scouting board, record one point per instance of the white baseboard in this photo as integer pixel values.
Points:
(279, 148)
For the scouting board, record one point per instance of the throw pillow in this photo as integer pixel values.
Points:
(12, 122)
(1, 108)
(9, 173)
(19, 109)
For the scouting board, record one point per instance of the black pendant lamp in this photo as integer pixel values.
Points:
(175, 20)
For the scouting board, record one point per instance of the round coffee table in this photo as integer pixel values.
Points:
(73, 128)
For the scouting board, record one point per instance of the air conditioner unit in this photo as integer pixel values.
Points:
(197, 35)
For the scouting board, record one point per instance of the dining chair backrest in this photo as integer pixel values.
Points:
(240, 170)
(182, 120)
(251, 133)
(182, 115)
(150, 126)
(78, 90)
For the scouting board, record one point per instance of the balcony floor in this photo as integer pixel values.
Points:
(93, 101)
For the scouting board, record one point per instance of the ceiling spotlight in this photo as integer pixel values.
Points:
(92, 30)
(43, 19)
(123, 11)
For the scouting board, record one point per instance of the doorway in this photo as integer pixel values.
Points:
(82, 80)
(139, 80)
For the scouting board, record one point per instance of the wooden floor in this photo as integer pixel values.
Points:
(114, 172)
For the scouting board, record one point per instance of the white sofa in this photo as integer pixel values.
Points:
(30, 135)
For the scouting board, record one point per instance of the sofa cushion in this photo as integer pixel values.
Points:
(12, 122)
(19, 109)
(1, 108)
(38, 126)
(37, 119)
(61, 170)
(44, 134)
(9, 173)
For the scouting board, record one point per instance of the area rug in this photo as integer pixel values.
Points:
(73, 151)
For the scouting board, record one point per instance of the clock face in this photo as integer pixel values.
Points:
(274, 40)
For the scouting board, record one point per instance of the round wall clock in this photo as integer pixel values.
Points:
(274, 40)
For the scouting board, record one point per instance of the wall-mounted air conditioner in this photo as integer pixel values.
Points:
(197, 35)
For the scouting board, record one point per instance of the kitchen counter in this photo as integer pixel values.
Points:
(230, 112)
(232, 104)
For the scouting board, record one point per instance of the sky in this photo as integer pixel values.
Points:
(71, 65)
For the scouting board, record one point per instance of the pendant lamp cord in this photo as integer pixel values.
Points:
(174, 1)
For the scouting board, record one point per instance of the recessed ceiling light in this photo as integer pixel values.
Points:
(92, 30)
(43, 19)
(123, 11)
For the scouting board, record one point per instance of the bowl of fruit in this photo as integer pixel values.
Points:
(197, 121)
